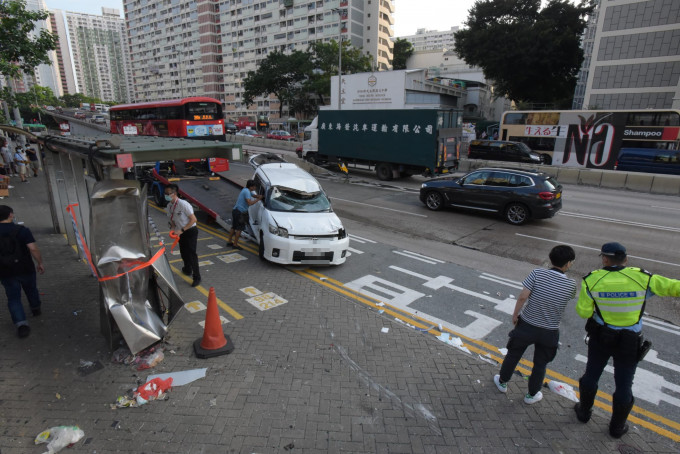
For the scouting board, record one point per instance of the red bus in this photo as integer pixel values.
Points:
(193, 118)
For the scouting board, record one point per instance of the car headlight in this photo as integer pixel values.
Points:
(424, 185)
(278, 231)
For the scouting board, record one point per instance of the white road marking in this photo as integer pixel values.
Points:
(502, 280)
(401, 297)
(651, 323)
(594, 249)
(653, 357)
(381, 208)
(355, 251)
(415, 256)
(647, 385)
(360, 239)
(619, 221)
(665, 208)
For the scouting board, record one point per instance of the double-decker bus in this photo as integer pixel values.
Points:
(591, 138)
(192, 118)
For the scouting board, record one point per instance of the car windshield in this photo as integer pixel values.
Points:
(286, 199)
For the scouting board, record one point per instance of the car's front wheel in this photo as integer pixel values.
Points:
(517, 213)
(434, 201)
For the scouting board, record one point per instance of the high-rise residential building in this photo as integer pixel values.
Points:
(431, 40)
(632, 56)
(99, 49)
(185, 48)
(44, 75)
(64, 62)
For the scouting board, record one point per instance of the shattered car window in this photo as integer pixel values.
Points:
(286, 199)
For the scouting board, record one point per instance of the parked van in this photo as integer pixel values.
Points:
(294, 223)
(501, 150)
(650, 160)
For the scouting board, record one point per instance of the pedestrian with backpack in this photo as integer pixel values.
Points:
(18, 250)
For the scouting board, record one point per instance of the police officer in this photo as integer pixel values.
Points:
(613, 300)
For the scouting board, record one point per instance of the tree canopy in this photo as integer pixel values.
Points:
(530, 54)
(403, 49)
(21, 49)
(300, 79)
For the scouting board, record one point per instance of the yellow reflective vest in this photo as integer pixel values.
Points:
(620, 293)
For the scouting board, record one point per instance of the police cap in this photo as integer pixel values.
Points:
(613, 249)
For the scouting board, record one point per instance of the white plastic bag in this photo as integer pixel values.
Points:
(563, 390)
(57, 438)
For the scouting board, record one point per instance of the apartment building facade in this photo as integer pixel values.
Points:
(64, 62)
(44, 75)
(425, 39)
(632, 56)
(206, 48)
(99, 49)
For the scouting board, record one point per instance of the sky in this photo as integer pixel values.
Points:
(409, 15)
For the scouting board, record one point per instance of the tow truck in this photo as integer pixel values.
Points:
(199, 183)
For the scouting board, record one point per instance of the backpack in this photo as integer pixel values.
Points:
(11, 250)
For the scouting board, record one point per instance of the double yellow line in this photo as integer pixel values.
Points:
(489, 351)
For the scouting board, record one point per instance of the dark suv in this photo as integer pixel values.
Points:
(230, 128)
(517, 195)
(501, 150)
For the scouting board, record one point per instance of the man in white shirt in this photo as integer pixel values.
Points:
(183, 222)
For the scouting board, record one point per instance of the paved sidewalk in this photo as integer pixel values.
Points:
(316, 374)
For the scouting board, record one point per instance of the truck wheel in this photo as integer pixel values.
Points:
(434, 200)
(312, 159)
(547, 159)
(517, 214)
(260, 248)
(384, 171)
(158, 197)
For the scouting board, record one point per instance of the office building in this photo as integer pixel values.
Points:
(186, 48)
(632, 56)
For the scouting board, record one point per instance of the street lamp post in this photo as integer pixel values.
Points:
(339, 11)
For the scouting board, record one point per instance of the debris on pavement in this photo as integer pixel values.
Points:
(454, 341)
(385, 330)
(88, 367)
(57, 438)
(563, 390)
(151, 358)
(155, 389)
(181, 377)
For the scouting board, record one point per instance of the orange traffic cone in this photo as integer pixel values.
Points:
(213, 342)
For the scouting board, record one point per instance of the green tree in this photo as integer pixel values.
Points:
(22, 50)
(278, 74)
(530, 54)
(324, 57)
(403, 49)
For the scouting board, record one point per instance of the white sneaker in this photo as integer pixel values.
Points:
(529, 399)
(502, 387)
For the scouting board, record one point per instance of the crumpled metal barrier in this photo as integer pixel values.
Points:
(119, 243)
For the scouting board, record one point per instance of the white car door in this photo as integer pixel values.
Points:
(256, 211)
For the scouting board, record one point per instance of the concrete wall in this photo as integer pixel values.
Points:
(610, 179)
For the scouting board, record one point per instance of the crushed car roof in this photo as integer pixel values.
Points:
(290, 176)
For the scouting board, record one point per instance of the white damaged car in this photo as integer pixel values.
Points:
(294, 223)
